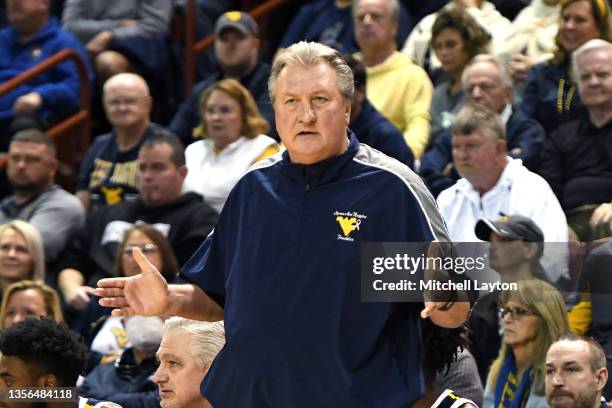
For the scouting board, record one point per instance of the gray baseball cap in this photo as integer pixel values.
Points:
(239, 21)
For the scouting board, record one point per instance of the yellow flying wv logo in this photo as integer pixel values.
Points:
(349, 221)
(348, 224)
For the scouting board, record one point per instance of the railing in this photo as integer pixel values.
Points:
(193, 48)
(81, 119)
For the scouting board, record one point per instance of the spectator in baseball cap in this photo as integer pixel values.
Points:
(517, 244)
(239, 21)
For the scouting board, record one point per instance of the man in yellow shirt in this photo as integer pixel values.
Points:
(399, 89)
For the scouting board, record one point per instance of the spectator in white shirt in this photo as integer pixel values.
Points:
(493, 183)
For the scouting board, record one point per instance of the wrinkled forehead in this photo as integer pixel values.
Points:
(296, 77)
(600, 57)
(483, 72)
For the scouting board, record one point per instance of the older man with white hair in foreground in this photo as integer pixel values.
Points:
(186, 352)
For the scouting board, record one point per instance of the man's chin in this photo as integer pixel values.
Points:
(561, 402)
(23, 186)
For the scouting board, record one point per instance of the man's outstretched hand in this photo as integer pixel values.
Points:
(145, 294)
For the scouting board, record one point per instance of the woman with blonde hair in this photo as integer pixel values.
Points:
(232, 131)
(534, 316)
(21, 253)
(550, 95)
(26, 299)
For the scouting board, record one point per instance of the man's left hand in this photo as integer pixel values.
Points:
(455, 316)
(28, 103)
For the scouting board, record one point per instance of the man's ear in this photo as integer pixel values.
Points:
(501, 146)
(531, 249)
(54, 166)
(183, 171)
(347, 112)
(48, 381)
(601, 378)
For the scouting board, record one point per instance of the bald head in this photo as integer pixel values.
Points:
(127, 101)
(127, 80)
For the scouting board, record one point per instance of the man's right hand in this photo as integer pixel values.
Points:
(78, 298)
(145, 294)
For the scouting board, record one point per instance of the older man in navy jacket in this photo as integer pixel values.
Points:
(298, 334)
(486, 82)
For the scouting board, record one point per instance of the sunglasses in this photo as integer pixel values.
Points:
(146, 249)
(515, 312)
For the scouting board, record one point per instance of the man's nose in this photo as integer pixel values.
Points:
(557, 380)
(306, 113)
(476, 92)
(159, 376)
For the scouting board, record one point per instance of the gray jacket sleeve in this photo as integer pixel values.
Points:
(152, 17)
(75, 20)
(58, 216)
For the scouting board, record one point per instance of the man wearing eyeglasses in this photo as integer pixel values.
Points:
(108, 171)
(485, 81)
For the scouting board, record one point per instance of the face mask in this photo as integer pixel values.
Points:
(145, 333)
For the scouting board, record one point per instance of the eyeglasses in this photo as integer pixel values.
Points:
(515, 312)
(146, 249)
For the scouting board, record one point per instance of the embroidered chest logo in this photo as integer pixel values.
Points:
(348, 222)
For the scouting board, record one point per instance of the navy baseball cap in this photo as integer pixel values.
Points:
(512, 227)
(239, 21)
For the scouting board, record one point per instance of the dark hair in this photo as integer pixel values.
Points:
(441, 347)
(359, 70)
(48, 346)
(170, 267)
(165, 137)
(475, 37)
(35, 136)
(597, 359)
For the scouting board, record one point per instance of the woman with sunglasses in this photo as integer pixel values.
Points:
(533, 317)
(104, 334)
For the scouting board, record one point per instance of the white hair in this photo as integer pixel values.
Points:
(207, 338)
(596, 44)
(504, 76)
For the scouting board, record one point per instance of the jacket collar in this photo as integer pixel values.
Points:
(324, 171)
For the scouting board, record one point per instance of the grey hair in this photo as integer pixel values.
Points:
(475, 117)
(504, 76)
(394, 8)
(596, 44)
(207, 338)
(308, 54)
